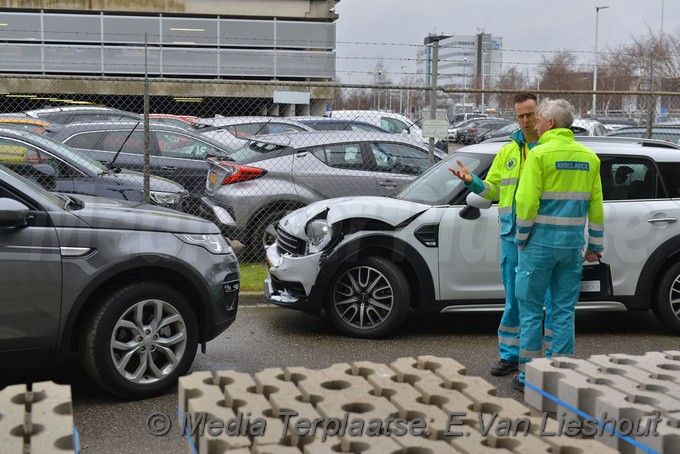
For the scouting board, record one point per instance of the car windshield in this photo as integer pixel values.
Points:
(438, 186)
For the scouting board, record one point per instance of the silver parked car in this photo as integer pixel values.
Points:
(367, 260)
(235, 132)
(276, 174)
(133, 289)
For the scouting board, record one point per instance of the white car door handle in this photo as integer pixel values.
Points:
(388, 184)
(669, 220)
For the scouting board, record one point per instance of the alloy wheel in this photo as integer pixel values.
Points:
(363, 297)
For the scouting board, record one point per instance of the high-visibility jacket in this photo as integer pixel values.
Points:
(501, 181)
(560, 187)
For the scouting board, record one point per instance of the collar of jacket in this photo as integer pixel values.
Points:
(518, 136)
(557, 134)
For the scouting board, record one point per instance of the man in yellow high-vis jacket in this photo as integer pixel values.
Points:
(560, 188)
(501, 184)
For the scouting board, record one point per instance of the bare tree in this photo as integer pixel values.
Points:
(512, 79)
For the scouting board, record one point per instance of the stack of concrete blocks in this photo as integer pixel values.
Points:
(433, 390)
(37, 419)
(615, 387)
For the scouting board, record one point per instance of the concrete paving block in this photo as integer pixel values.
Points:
(357, 406)
(544, 427)
(192, 386)
(13, 401)
(666, 440)
(51, 417)
(284, 395)
(673, 419)
(476, 443)
(417, 444)
(210, 410)
(209, 444)
(275, 449)
(657, 363)
(446, 368)
(544, 374)
(368, 444)
(331, 445)
(337, 391)
(241, 395)
(637, 383)
(613, 409)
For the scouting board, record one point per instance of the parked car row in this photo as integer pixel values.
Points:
(179, 157)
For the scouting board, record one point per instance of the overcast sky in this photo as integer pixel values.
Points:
(393, 29)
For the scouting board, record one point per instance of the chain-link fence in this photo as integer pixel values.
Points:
(205, 151)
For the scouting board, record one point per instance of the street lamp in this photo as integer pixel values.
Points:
(464, 83)
(597, 19)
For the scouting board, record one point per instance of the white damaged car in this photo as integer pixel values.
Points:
(366, 261)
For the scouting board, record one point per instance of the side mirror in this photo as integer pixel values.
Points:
(13, 213)
(477, 201)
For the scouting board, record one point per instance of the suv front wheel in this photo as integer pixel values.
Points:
(368, 299)
(140, 340)
(667, 302)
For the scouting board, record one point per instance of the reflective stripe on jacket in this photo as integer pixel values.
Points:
(560, 187)
(501, 181)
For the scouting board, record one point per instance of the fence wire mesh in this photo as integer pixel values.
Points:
(243, 154)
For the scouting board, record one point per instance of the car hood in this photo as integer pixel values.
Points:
(387, 210)
(105, 213)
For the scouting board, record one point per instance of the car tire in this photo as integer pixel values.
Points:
(666, 305)
(368, 299)
(126, 350)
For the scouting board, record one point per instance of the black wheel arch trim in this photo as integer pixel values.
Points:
(394, 249)
(201, 296)
(667, 252)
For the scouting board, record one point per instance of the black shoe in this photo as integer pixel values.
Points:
(504, 367)
(517, 385)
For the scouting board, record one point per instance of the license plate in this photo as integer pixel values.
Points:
(269, 262)
(212, 177)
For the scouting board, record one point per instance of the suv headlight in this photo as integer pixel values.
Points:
(319, 235)
(165, 198)
(215, 244)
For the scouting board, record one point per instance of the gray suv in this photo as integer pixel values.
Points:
(278, 173)
(133, 289)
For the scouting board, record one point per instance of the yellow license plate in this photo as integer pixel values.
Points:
(212, 178)
(269, 262)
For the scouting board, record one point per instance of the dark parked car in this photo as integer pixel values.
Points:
(175, 153)
(133, 289)
(505, 131)
(468, 134)
(58, 167)
(71, 114)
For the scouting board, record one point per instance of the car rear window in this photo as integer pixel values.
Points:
(256, 151)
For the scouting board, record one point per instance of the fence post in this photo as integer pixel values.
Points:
(147, 159)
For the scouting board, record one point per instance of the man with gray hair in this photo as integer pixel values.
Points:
(560, 187)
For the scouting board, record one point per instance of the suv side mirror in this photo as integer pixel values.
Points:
(13, 213)
(474, 204)
(477, 201)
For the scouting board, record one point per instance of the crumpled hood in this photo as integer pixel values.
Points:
(388, 210)
(105, 213)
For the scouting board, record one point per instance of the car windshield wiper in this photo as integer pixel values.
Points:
(110, 164)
